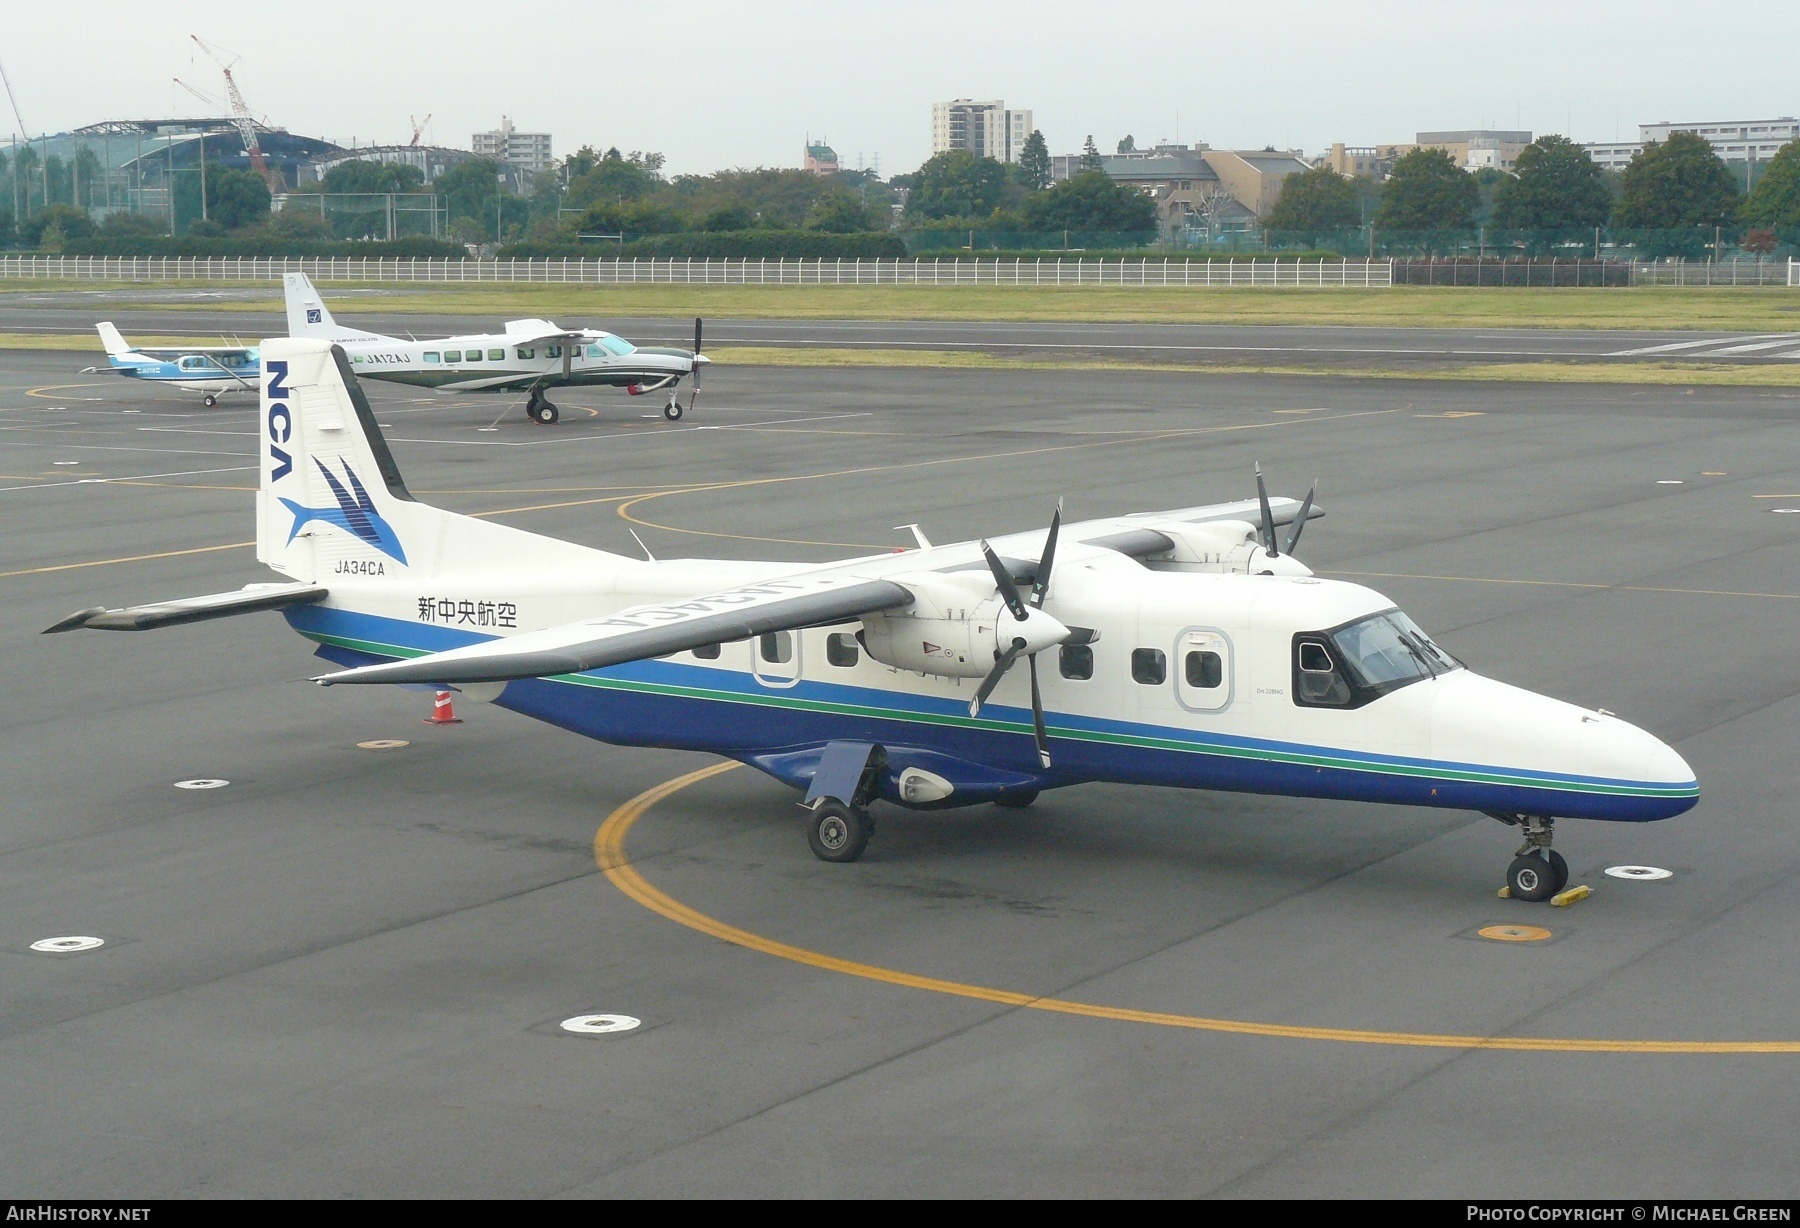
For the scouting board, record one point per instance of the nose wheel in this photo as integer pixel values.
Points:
(1537, 871)
(672, 411)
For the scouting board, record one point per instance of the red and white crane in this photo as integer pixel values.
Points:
(240, 115)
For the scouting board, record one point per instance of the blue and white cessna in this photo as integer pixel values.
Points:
(1183, 648)
(531, 356)
(213, 371)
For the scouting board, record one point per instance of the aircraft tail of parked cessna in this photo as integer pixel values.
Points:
(308, 316)
(1184, 648)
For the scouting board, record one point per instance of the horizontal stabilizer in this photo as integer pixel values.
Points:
(640, 634)
(192, 609)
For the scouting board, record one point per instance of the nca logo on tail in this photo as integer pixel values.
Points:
(355, 511)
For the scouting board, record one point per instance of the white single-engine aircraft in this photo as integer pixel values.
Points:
(211, 370)
(531, 356)
(1183, 648)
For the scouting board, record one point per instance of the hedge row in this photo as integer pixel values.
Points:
(220, 248)
(724, 245)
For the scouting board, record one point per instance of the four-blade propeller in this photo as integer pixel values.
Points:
(1032, 631)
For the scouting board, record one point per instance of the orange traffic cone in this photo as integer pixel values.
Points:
(441, 711)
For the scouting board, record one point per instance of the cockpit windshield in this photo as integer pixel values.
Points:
(1386, 651)
(617, 347)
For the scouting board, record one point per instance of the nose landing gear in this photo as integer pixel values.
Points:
(1537, 871)
(672, 411)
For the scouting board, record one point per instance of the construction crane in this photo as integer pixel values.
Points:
(240, 115)
(418, 126)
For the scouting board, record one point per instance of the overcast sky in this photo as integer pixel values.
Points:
(715, 85)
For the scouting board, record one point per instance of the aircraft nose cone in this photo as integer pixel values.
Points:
(701, 360)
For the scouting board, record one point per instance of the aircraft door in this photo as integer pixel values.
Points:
(775, 658)
(1203, 670)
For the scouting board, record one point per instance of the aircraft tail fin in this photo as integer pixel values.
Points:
(113, 340)
(331, 504)
(308, 316)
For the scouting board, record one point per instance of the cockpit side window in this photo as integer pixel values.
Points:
(1319, 681)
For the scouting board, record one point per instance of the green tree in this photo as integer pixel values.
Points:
(1556, 187)
(66, 221)
(1315, 200)
(1091, 201)
(842, 212)
(776, 199)
(24, 166)
(1034, 162)
(56, 181)
(1677, 184)
(87, 178)
(1090, 156)
(640, 217)
(237, 199)
(469, 189)
(1775, 201)
(363, 176)
(1127, 145)
(957, 183)
(616, 179)
(728, 217)
(297, 221)
(1426, 191)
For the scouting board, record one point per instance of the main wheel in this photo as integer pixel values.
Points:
(1017, 801)
(1535, 876)
(672, 411)
(209, 400)
(838, 832)
(543, 413)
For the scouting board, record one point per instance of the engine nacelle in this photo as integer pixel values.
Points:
(1224, 546)
(956, 627)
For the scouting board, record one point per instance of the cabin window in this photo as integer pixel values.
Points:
(526, 351)
(841, 650)
(1075, 661)
(595, 351)
(431, 356)
(1204, 670)
(1318, 682)
(497, 355)
(777, 647)
(452, 355)
(707, 652)
(553, 351)
(1148, 666)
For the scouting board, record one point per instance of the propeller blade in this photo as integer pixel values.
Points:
(696, 353)
(1268, 517)
(1300, 520)
(1040, 587)
(1037, 715)
(1009, 592)
(988, 683)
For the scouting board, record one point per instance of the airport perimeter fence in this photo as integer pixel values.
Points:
(922, 272)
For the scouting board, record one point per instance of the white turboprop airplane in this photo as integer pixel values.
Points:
(531, 356)
(1185, 648)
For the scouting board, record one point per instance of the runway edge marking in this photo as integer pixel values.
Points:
(609, 855)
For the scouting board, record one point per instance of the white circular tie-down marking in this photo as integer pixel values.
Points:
(204, 782)
(68, 945)
(383, 744)
(1644, 874)
(599, 1025)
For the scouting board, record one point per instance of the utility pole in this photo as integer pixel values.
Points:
(203, 216)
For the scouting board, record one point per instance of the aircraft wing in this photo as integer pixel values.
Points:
(192, 609)
(647, 631)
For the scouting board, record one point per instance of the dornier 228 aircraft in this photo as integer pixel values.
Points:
(531, 356)
(213, 371)
(1184, 648)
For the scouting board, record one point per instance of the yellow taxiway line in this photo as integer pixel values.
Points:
(609, 854)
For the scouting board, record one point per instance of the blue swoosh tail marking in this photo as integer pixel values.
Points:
(355, 513)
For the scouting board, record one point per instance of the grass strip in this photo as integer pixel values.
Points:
(1723, 308)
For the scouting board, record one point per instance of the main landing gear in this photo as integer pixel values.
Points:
(540, 410)
(210, 401)
(838, 831)
(1537, 871)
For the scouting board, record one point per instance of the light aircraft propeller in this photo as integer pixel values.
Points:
(1268, 517)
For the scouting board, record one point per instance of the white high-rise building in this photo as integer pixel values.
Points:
(528, 151)
(986, 129)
